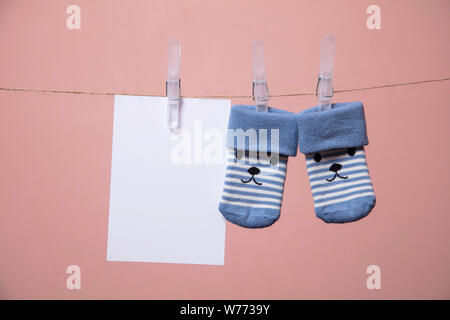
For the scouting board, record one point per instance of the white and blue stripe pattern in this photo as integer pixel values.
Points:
(253, 190)
(341, 185)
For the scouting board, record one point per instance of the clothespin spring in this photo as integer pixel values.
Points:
(263, 95)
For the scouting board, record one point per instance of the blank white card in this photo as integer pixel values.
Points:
(165, 187)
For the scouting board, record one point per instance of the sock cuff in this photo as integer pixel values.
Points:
(342, 126)
(246, 117)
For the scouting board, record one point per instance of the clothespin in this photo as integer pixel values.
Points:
(173, 85)
(324, 88)
(260, 91)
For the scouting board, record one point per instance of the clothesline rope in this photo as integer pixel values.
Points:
(296, 94)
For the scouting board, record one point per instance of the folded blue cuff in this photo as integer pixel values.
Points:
(255, 126)
(342, 126)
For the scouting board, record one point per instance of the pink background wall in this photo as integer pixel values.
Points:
(55, 149)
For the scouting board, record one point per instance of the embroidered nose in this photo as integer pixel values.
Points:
(335, 167)
(253, 171)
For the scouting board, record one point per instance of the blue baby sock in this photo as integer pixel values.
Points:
(333, 142)
(259, 144)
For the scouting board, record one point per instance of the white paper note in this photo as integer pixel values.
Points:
(165, 188)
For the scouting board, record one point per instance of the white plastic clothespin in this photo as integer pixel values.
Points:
(324, 88)
(173, 85)
(260, 91)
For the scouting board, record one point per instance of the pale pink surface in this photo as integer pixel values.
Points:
(55, 149)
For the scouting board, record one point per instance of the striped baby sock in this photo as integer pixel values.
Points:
(259, 144)
(333, 142)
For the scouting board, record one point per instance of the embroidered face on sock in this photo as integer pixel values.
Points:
(333, 164)
(254, 166)
(340, 184)
(253, 189)
(249, 171)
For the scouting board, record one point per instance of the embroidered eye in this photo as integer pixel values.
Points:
(351, 151)
(317, 157)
